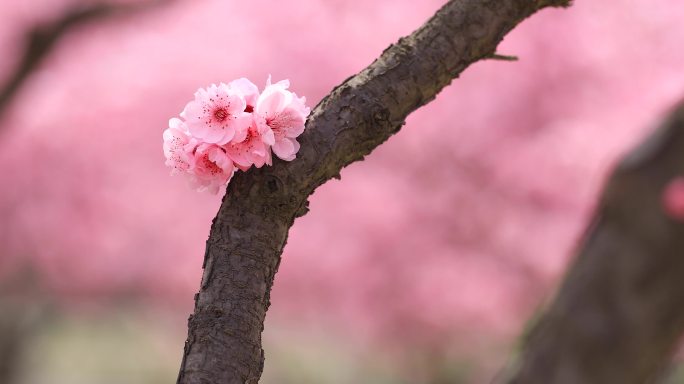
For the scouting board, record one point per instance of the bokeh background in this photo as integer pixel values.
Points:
(424, 264)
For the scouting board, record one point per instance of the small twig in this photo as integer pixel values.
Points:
(496, 56)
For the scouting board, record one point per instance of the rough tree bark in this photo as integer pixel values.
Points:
(620, 311)
(250, 230)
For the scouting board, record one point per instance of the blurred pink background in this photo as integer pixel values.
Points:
(441, 243)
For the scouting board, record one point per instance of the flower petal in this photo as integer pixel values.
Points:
(284, 149)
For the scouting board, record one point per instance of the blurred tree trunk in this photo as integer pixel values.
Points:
(250, 230)
(22, 314)
(12, 342)
(620, 311)
(42, 38)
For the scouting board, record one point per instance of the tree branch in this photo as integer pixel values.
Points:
(42, 38)
(248, 234)
(620, 311)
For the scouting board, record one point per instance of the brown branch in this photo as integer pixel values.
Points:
(620, 310)
(42, 38)
(250, 229)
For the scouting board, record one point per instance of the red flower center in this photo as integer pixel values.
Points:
(221, 114)
(211, 166)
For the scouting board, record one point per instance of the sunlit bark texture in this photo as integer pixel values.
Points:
(248, 234)
(620, 311)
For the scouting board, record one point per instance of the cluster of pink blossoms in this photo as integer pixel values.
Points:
(233, 126)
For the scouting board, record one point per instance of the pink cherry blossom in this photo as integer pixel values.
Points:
(231, 126)
(217, 115)
(178, 146)
(248, 90)
(213, 168)
(285, 114)
(254, 149)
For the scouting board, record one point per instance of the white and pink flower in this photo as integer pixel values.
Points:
(217, 115)
(233, 126)
(255, 149)
(283, 113)
(248, 90)
(178, 147)
(212, 167)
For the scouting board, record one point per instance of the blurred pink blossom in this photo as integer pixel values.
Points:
(463, 221)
